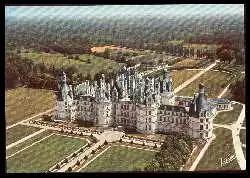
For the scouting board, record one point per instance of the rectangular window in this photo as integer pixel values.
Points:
(206, 134)
(201, 127)
(206, 120)
(201, 120)
(149, 119)
(149, 112)
(164, 119)
(149, 127)
(160, 118)
(207, 126)
(172, 120)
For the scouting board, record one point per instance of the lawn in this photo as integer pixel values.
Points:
(118, 158)
(44, 155)
(86, 64)
(28, 142)
(181, 76)
(18, 132)
(228, 117)
(243, 136)
(221, 147)
(214, 81)
(22, 103)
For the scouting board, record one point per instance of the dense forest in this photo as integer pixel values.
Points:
(71, 38)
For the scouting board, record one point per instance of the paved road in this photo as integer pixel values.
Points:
(201, 154)
(25, 138)
(110, 136)
(30, 118)
(236, 140)
(235, 128)
(224, 91)
(29, 146)
(194, 77)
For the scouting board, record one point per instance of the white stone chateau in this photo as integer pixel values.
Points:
(136, 102)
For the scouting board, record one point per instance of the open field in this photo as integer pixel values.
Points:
(189, 62)
(86, 64)
(21, 103)
(228, 117)
(20, 131)
(214, 81)
(221, 147)
(44, 154)
(27, 142)
(176, 42)
(243, 136)
(118, 158)
(202, 46)
(101, 49)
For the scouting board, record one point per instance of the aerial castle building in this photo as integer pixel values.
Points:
(137, 102)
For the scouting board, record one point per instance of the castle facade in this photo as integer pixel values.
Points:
(145, 104)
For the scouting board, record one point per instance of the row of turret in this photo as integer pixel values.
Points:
(128, 84)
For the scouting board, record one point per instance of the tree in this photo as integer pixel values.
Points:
(69, 169)
(106, 53)
(57, 166)
(78, 163)
(180, 148)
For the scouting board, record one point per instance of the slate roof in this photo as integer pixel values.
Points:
(218, 101)
(172, 108)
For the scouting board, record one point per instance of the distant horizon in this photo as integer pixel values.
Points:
(123, 11)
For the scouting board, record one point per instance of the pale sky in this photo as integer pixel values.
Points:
(123, 10)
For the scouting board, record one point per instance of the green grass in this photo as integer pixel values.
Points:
(119, 158)
(243, 136)
(44, 155)
(221, 147)
(18, 132)
(28, 142)
(181, 76)
(22, 103)
(57, 60)
(214, 81)
(228, 117)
